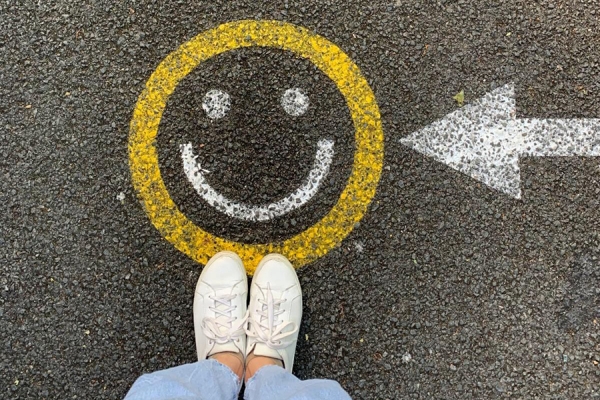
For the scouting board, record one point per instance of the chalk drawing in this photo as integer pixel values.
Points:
(294, 102)
(485, 140)
(216, 103)
(196, 176)
(316, 240)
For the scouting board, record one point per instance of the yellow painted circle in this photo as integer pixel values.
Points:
(315, 241)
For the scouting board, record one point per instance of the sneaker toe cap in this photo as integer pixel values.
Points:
(279, 273)
(222, 271)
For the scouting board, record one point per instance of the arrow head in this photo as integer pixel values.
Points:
(477, 140)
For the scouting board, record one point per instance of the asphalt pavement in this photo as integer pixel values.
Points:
(446, 289)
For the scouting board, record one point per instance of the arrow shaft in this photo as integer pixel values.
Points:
(559, 137)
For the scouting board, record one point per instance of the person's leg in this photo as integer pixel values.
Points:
(202, 380)
(275, 313)
(219, 321)
(273, 382)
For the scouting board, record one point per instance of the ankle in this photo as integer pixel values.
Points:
(254, 363)
(235, 361)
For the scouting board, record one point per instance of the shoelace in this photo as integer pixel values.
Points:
(262, 324)
(213, 327)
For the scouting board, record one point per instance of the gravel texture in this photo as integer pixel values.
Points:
(446, 289)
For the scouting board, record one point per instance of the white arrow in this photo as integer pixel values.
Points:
(485, 140)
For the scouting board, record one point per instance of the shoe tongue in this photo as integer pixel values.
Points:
(261, 349)
(223, 308)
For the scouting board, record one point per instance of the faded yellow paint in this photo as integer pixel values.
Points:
(318, 239)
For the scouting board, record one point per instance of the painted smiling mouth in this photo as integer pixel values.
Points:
(310, 186)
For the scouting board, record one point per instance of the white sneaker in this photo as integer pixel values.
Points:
(220, 306)
(275, 310)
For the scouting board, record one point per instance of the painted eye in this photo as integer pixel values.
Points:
(216, 103)
(294, 102)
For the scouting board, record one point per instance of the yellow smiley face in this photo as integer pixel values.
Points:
(318, 239)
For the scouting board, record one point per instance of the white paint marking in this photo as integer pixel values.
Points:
(294, 102)
(297, 199)
(216, 103)
(485, 140)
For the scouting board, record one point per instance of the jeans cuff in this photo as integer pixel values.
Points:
(262, 371)
(224, 367)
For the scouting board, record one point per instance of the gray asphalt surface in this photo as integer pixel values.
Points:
(446, 289)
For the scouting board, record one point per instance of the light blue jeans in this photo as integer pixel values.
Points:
(211, 380)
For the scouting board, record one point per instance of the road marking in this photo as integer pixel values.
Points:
(318, 239)
(294, 102)
(216, 103)
(196, 176)
(485, 140)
